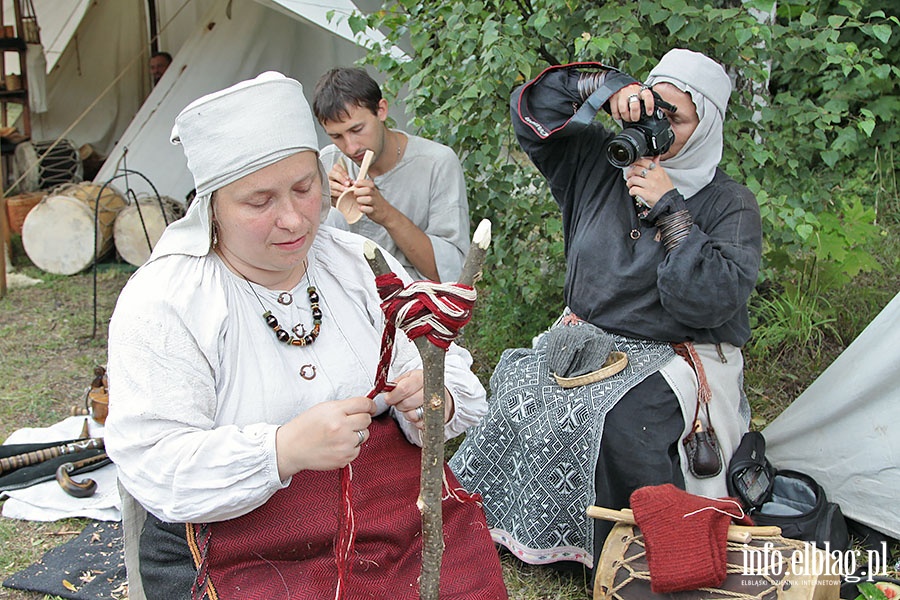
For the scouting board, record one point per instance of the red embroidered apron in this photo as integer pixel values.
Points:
(286, 548)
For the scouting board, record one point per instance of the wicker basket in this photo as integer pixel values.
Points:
(614, 364)
(18, 207)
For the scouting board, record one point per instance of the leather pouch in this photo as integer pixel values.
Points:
(701, 445)
(703, 452)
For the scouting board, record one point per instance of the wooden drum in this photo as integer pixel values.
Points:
(766, 568)
(139, 226)
(59, 233)
(45, 165)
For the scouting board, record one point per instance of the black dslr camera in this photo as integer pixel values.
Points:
(651, 136)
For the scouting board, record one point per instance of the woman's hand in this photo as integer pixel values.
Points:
(648, 181)
(625, 105)
(325, 437)
(408, 397)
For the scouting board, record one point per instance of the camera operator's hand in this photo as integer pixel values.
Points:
(648, 181)
(625, 105)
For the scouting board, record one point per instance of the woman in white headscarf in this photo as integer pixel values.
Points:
(662, 255)
(241, 359)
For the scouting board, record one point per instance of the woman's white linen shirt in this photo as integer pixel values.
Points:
(199, 384)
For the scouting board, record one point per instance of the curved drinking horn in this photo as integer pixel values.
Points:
(83, 489)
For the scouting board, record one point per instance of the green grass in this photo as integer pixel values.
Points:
(48, 355)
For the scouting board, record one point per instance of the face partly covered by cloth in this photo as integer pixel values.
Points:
(254, 144)
(683, 78)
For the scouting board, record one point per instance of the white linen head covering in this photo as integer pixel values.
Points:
(709, 87)
(232, 133)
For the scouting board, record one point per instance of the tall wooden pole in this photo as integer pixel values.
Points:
(5, 233)
(432, 473)
(4, 241)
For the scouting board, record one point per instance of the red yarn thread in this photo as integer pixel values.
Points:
(435, 310)
(346, 534)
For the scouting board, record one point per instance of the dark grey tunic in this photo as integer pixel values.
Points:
(631, 286)
(543, 453)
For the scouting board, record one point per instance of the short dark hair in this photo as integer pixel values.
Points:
(165, 55)
(342, 88)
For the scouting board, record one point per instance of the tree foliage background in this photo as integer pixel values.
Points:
(811, 126)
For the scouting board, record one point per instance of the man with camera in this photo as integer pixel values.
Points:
(662, 252)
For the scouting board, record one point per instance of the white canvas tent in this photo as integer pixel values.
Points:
(258, 36)
(96, 78)
(844, 430)
(98, 85)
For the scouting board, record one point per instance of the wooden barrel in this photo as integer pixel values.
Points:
(139, 226)
(59, 233)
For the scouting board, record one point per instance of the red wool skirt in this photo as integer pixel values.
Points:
(286, 548)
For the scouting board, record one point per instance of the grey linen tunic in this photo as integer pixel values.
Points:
(427, 186)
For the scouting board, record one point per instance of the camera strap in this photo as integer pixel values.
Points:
(614, 81)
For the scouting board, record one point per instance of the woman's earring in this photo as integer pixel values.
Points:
(215, 235)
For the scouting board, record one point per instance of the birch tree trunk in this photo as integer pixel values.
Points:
(761, 89)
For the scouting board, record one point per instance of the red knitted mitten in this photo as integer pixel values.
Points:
(685, 538)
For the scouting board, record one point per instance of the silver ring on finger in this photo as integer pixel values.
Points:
(643, 172)
(420, 413)
(652, 166)
(362, 437)
(633, 98)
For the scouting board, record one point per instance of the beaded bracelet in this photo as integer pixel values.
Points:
(674, 228)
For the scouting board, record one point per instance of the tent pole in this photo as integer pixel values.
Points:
(151, 17)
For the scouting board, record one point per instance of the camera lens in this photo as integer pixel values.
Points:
(626, 147)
